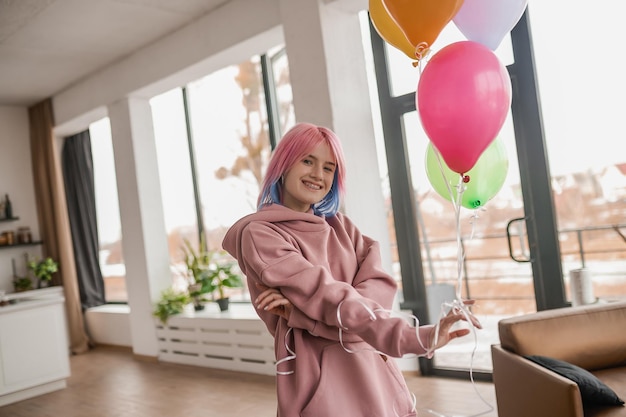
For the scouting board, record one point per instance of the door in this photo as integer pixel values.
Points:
(508, 257)
(583, 117)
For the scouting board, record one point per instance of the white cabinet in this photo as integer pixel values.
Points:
(34, 353)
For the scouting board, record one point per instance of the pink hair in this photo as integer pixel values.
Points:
(298, 142)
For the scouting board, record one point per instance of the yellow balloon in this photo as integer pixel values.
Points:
(422, 21)
(388, 29)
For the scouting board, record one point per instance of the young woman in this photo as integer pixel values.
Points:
(319, 286)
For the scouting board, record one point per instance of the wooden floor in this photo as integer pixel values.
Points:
(111, 382)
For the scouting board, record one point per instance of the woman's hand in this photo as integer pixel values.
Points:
(272, 301)
(442, 334)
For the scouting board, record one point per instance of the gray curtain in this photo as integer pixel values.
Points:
(81, 206)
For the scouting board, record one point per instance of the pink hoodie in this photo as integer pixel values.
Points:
(332, 275)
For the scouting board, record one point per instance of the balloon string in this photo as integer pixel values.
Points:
(373, 315)
(458, 307)
(460, 188)
(290, 357)
(456, 197)
(455, 307)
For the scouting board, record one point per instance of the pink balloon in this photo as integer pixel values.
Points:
(463, 97)
(488, 21)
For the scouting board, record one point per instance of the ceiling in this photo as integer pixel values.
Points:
(48, 45)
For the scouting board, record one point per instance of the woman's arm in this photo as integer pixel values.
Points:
(271, 300)
(313, 291)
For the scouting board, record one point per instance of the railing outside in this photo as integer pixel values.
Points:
(503, 287)
(489, 273)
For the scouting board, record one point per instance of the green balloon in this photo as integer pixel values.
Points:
(485, 178)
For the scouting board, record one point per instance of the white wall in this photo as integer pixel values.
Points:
(16, 179)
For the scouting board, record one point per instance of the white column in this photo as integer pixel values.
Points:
(144, 236)
(330, 88)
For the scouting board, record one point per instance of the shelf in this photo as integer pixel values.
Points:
(34, 243)
(9, 219)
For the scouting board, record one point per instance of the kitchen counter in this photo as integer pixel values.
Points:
(28, 299)
(34, 351)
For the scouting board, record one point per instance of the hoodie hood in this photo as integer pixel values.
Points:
(274, 214)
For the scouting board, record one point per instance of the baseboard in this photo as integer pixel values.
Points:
(119, 348)
(32, 392)
(145, 358)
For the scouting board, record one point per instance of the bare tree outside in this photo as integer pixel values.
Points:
(255, 138)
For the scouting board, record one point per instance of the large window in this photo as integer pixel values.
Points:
(583, 120)
(108, 213)
(507, 252)
(231, 144)
(213, 140)
(176, 177)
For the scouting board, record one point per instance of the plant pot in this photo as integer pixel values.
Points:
(21, 284)
(198, 303)
(223, 303)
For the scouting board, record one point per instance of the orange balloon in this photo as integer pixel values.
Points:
(422, 21)
(388, 29)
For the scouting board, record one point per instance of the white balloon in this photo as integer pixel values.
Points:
(488, 21)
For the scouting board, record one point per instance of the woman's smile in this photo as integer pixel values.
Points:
(309, 180)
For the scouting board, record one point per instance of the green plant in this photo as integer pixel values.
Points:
(198, 264)
(206, 274)
(209, 274)
(171, 302)
(222, 276)
(22, 283)
(43, 269)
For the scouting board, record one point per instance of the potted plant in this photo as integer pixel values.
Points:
(171, 302)
(198, 263)
(222, 276)
(208, 274)
(43, 270)
(22, 284)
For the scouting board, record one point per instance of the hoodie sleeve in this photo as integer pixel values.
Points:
(313, 291)
(299, 320)
(371, 281)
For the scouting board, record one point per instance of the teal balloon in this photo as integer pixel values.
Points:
(484, 180)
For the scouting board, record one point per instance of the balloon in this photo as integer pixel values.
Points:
(422, 20)
(388, 29)
(463, 97)
(485, 178)
(488, 21)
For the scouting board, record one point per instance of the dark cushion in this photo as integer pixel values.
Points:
(592, 390)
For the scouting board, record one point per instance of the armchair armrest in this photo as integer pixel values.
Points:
(525, 389)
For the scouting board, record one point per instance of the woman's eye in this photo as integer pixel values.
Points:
(307, 161)
(329, 169)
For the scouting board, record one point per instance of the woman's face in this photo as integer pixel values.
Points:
(310, 179)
